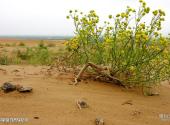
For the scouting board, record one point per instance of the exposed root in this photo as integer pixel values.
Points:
(80, 73)
(102, 71)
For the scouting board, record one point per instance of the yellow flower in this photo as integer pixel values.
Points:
(118, 15)
(147, 10)
(165, 52)
(122, 52)
(143, 25)
(156, 34)
(123, 15)
(138, 20)
(162, 13)
(165, 61)
(132, 68)
(141, 1)
(73, 43)
(155, 12)
(110, 16)
(145, 37)
(66, 43)
(108, 40)
(163, 41)
(157, 48)
(67, 17)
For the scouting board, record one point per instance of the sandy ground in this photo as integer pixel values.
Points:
(53, 100)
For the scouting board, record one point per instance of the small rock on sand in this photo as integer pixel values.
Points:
(8, 87)
(24, 89)
(82, 104)
(36, 117)
(99, 121)
(127, 102)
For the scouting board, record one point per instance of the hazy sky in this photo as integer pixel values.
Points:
(48, 17)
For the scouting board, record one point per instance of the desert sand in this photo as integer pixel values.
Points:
(53, 100)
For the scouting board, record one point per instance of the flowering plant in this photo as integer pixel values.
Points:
(135, 51)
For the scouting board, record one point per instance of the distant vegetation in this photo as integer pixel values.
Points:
(38, 55)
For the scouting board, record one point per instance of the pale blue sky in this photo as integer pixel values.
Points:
(47, 17)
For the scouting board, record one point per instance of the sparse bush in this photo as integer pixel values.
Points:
(21, 44)
(13, 44)
(24, 55)
(42, 45)
(1, 45)
(7, 45)
(41, 55)
(37, 55)
(136, 54)
(15, 60)
(4, 60)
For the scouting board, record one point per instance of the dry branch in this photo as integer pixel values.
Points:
(102, 71)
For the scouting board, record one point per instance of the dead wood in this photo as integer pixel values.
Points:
(100, 70)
